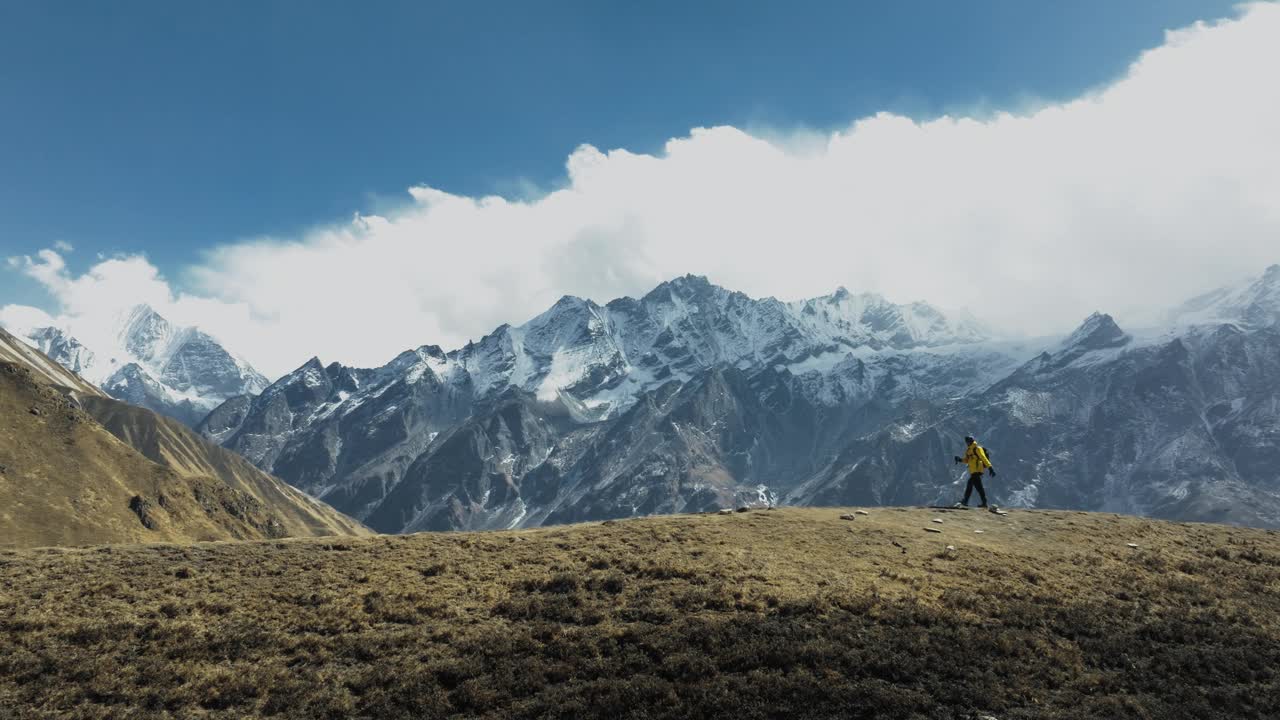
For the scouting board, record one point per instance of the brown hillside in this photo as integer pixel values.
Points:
(66, 480)
(791, 613)
(171, 444)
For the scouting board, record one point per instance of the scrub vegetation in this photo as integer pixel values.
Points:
(768, 613)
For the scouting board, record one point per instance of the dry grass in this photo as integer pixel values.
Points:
(129, 475)
(787, 613)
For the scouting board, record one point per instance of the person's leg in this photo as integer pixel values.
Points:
(968, 490)
(976, 481)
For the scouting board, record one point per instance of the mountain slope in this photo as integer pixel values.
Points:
(786, 613)
(173, 445)
(66, 480)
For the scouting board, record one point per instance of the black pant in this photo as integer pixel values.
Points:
(975, 481)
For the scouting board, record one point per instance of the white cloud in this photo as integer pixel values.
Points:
(1130, 199)
(90, 304)
(20, 319)
(63, 246)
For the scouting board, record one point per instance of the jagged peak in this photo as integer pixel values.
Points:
(843, 296)
(685, 285)
(625, 303)
(140, 314)
(567, 301)
(142, 310)
(569, 309)
(1255, 302)
(694, 280)
(132, 368)
(309, 373)
(433, 351)
(41, 333)
(1098, 331)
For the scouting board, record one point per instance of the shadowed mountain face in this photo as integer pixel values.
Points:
(694, 397)
(77, 467)
(1186, 427)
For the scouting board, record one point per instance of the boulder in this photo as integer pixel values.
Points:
(142, 508)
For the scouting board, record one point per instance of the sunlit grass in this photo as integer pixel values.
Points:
(786, 613)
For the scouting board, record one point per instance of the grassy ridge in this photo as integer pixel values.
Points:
(787, 613)
(95, 470)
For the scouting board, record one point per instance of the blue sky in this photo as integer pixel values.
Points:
(352, 180)
(165, 128)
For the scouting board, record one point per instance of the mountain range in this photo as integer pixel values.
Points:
(694, 397)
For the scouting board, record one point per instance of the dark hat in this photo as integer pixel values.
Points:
(968, 439)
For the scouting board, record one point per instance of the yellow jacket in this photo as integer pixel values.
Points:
(977, 458)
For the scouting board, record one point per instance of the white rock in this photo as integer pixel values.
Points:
(932, 530)
(938, 520)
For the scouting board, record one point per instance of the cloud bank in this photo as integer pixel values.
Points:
(1132, 198)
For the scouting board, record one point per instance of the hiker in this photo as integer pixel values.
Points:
(977, 460)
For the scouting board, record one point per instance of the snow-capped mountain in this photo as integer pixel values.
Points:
(1252, 304)
(145, 360)
(694, 397)
(350, 436)
(66, 350)
(604, 356)
(1184, 426)
(1183, 423)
